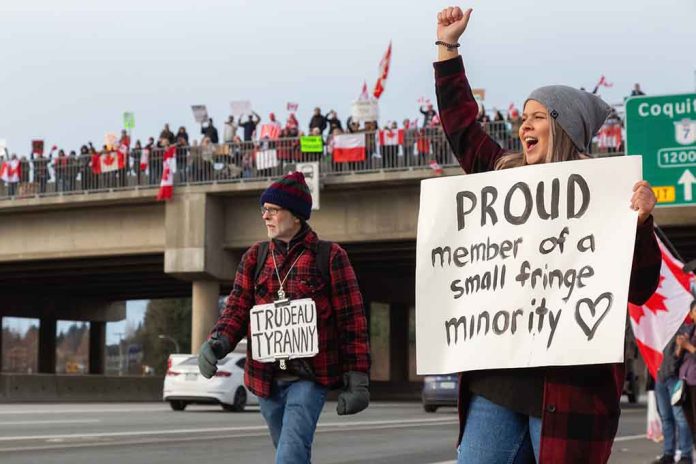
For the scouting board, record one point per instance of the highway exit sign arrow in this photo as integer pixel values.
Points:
(687, 179)
(662, 129)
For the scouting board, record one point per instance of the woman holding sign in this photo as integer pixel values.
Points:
(548, 414)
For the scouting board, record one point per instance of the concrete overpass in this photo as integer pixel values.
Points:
(79, 256)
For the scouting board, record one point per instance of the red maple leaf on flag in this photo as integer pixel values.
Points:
(655, 303)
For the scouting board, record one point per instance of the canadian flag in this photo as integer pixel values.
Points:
(349, 147)
(391, 137)
(435, 166)
(10, 171)
(603, 82)
(655, 322)
(144, 159)
(609, 136)
(383, 72)
(364, 96)
(108, 162)
(166, 189)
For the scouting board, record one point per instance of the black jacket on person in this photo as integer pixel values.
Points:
(249, 128)
(211, 132)
(167, 134)
(334, 123)
(319, 121)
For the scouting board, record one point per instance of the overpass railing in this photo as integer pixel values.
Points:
(233, 162)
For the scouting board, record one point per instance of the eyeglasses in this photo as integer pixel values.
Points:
(271, 211)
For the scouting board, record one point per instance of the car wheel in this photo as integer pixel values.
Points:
(429, 408)
(177, 405)
(240, 400)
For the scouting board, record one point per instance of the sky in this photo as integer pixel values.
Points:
(135, 313)
(72, 67)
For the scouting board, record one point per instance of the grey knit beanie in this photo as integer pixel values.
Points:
(579, 113)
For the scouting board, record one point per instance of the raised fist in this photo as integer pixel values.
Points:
(451, 23)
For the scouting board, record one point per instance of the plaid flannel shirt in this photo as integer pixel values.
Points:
(341, 322)
(580, 413)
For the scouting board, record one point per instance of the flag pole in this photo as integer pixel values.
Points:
(687, 267)
(663, 236)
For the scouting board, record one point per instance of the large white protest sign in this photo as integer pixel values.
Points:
(311, 173)
(284, 331)
(200, 113)
(240, 107)
(266, 159)
(365, 110)
(525, 267)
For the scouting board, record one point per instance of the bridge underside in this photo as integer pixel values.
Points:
(136, 277)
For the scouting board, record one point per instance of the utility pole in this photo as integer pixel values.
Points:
(120, 352)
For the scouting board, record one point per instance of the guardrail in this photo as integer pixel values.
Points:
(234, 162)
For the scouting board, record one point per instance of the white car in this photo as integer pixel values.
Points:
(184, 384)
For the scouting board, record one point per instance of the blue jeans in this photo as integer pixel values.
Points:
(673, 420)
(292, 412)
(494, 434)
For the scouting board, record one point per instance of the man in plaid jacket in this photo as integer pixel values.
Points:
(292, 394)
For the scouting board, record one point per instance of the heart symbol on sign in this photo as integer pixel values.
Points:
(593, 313)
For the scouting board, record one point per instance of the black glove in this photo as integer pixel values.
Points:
(355, 397)
(216, 347)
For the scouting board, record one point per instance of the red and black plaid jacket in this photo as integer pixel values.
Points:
(341, 323)
(581, 410)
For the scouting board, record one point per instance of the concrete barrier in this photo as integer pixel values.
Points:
(15, 388)
(48, 388)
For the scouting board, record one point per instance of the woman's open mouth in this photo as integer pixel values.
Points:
(530, 142)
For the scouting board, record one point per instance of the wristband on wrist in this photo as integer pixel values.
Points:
(449, 46)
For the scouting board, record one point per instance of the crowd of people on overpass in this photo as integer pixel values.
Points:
(250, 147)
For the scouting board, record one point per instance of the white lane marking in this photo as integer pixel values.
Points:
(46, 422)
(12, 412)
(59, 444)
(163, 408)
(444, 462)
(136, 441)
(326, 425)
(630, 438)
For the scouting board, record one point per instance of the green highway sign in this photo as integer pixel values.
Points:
(663, 130)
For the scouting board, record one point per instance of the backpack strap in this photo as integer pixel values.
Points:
(323, 259)
(261, 255)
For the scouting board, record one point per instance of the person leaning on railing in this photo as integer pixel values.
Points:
(73, 170)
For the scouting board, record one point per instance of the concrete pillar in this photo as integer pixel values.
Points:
(204, 312)
(398, 342)
(47, 346)
(97, 347)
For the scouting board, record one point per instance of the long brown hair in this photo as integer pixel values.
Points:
(562, 149)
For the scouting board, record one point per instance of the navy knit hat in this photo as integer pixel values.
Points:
(290, 192)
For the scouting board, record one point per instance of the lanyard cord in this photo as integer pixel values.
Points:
(275, 265)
